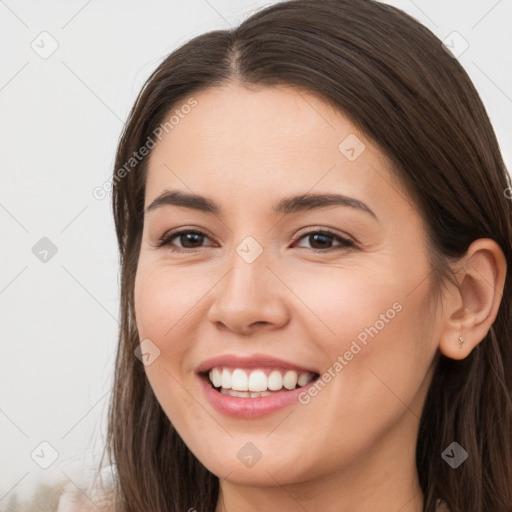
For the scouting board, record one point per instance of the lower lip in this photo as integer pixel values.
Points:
(248, 408)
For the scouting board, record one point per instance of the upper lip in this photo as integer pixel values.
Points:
(252, 361)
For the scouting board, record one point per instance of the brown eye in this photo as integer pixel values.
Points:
(190, 240)
(323, 240)
(320, 240)
(187, 240)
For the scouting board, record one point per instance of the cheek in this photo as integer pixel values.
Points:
(162, 305)
(163, 299)
(375, 336)
(386, 358)
(342, 303)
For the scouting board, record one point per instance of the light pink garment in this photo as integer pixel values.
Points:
(74, 500)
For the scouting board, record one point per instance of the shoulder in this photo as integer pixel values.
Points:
(441, 506)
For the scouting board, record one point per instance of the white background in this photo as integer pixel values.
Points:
(61, 119)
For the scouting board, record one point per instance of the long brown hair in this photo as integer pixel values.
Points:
(391, 76)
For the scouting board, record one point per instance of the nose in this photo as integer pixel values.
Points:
(250, 297)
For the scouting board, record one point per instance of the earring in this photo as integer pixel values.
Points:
(461, 341)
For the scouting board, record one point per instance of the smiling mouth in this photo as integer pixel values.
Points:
(256, 382)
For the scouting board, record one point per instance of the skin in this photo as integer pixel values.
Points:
(351, 448)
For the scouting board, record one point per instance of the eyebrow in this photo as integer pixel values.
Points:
(287, 205)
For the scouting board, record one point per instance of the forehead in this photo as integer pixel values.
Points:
(263, 140)
(258, 119)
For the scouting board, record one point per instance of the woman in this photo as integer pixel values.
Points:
(314, 236)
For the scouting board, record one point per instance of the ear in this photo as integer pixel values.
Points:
(471, 308)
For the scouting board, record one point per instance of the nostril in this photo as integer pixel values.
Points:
(259, 322)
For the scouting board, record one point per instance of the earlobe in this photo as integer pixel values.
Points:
(456, 343)
(473, 305)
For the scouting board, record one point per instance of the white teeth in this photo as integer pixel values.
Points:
(263, 393)
(275, 380)
(232, 392)
(303, 379)
(239, 381)
(243, 394)
(225, 380)
(216, 377)
(257, 380)
(255, 383)
(290, 379)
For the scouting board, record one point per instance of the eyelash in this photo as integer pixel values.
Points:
(167, 238)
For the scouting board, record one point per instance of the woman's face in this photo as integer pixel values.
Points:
(263, 297)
